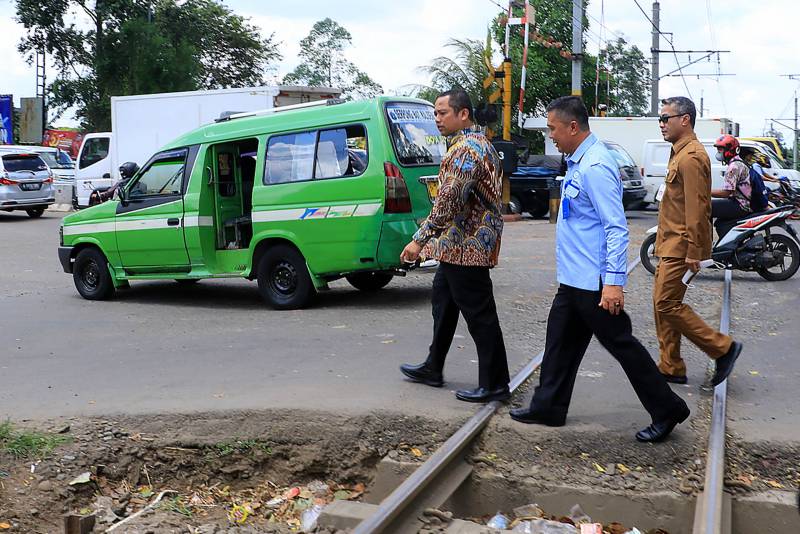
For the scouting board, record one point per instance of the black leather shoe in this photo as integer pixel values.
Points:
(423, 374)
(675, 379)
(725, 363)
(525, 415)
(658, 431)
(483, 394)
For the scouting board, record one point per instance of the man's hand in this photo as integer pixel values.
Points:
(410, 254)
(694, 265)
(612, 299)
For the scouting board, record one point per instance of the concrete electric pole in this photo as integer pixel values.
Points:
(654, 49)
(577, 47)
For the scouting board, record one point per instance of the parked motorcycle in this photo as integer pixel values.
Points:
(749, 246)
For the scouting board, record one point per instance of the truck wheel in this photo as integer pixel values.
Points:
(283, 279)
(35, 213)
(91, 276)
(369, 281)
(539, 210)
(649, 261)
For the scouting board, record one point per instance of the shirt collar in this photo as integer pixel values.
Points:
(454, 137)
(587, 143)
(680, 145)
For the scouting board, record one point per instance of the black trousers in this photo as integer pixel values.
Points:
(725, 212)
(468, 290)
(574, 317)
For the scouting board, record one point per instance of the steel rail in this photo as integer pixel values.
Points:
(708, 517)
(393, 505)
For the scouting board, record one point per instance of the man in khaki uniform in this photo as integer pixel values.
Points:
(683, 240)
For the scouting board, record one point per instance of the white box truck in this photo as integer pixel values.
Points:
(142, 124)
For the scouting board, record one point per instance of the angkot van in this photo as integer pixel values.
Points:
(293, 197)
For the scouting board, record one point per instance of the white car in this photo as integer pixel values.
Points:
(56, 159)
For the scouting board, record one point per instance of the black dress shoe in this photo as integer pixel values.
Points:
(675, 379)
(483, 394)
(423, 374)
(658, 431)
(725, 363)
(525, 415)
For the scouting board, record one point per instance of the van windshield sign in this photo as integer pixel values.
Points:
(414, 134)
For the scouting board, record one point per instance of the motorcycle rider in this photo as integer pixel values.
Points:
(126, 171)
(732, 202)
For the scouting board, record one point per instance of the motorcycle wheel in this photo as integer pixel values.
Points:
(791, 252)
(649, 261)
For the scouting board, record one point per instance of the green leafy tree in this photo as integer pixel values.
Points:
(630, 79)
(139, 46)
(324, 65)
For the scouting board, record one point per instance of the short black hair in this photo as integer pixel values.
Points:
(571, 108)
(458, 99)
(682, 105)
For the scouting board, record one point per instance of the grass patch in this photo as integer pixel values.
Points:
(175, 504)
(26, 443)
(241, 446)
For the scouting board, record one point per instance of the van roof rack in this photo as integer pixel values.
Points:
(228, 115)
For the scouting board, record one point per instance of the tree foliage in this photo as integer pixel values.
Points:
(140, 47)
(630, 79)
(324, 64)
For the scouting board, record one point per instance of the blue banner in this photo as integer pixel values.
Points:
(6, 120)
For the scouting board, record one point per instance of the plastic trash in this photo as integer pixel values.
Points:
(308, 521)
(499, 521)
(523, 527)
(543, 526)
(577, 515)
(634, 531)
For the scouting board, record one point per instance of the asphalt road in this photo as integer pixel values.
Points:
(164, 348)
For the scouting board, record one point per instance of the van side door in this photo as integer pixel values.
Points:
(149, 224)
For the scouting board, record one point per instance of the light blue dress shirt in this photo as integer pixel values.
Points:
(592, 233)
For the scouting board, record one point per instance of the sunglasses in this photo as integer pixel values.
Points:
(665, 118)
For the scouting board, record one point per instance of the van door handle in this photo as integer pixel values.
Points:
(173, 222)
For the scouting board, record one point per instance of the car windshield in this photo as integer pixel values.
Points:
(56, 160)
(416, 139)
(622, 158)
(23, 162)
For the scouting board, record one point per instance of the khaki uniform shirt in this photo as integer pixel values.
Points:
(684, 216)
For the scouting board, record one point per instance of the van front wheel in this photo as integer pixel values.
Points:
(283, 279)
(369, 281)
(91, 276)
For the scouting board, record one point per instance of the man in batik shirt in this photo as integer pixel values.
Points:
(463, 233)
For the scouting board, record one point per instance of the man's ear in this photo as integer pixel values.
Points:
(463, 114)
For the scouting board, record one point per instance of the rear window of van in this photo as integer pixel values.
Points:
(24, 162)
(416, 139)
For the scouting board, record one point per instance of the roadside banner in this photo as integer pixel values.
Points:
(67, 140)
(6, 120)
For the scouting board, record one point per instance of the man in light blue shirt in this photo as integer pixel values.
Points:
(591, 261)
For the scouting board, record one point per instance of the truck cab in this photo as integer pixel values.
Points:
(94, 168)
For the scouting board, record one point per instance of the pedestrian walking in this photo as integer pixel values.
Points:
(591, 249)
(463, 233)
(683, 240)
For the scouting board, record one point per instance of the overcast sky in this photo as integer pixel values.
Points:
(392, 38)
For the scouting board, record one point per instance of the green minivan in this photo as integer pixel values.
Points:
(293, 197)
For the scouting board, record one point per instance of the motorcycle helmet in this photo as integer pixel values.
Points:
(727, 146)
(128, 169)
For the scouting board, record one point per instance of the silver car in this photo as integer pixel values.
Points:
(26, 183)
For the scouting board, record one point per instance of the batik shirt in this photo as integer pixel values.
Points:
(737, 180)
(465, 224)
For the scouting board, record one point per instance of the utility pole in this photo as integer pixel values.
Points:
(577, 47)
(41, 85)
(654, 49)
(794, 150)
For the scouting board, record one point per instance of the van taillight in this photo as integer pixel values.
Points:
(397, 198)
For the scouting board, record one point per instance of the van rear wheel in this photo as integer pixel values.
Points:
(283, 279)
(369, 281)
(91, 276)
(35, 213)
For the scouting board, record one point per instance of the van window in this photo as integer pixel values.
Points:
(290, 158)
(341, 152)
(24, 162)
(416, 139)
(94, 150)
(162, 176)
(621, 156)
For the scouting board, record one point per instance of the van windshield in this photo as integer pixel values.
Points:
(622, 158)
(57, 160)
(416, 139)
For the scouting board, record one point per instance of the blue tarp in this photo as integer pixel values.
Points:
(535, 171)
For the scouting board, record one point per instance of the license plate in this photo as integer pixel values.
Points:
(432, 184)
(30, 186)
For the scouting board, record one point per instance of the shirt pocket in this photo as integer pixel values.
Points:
(672, 175)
